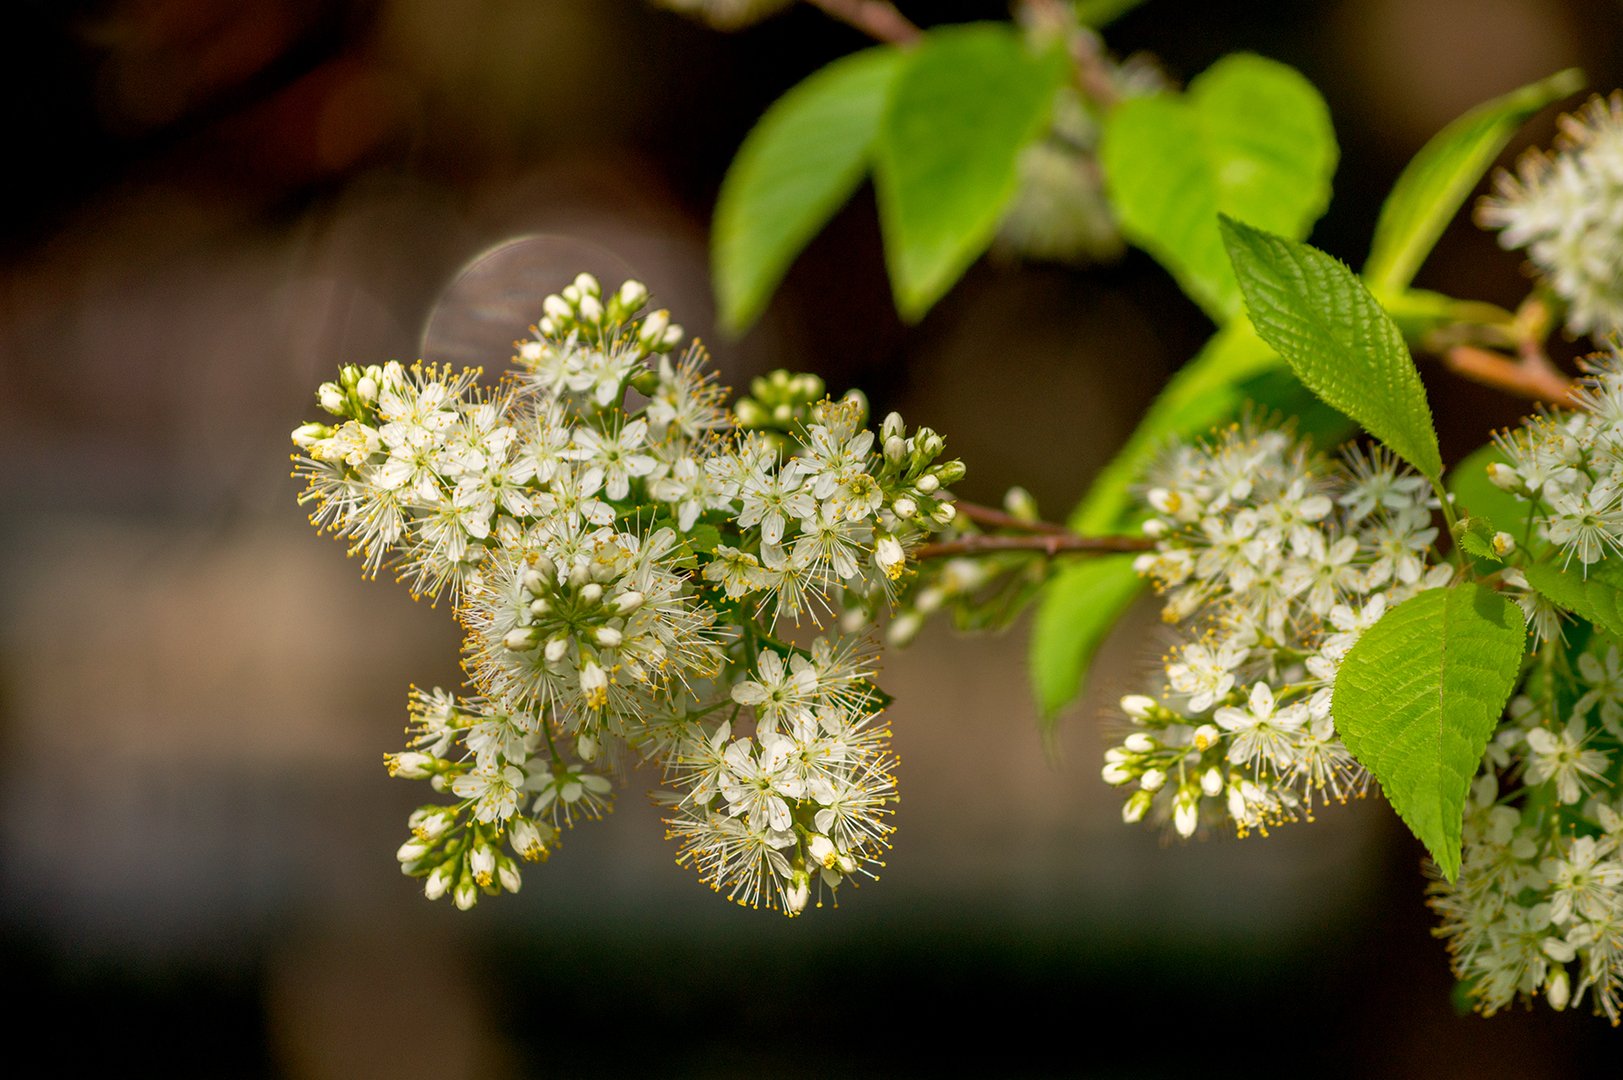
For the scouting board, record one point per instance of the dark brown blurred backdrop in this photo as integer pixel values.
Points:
(212, 204)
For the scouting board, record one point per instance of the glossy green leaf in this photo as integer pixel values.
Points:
(1337, 338)
(1251, 138)
(1418, 697)
(799, 164)
(966, 102)
(1594, 593)
(1432, 186)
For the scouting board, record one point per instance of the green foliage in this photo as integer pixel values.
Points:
(967, 101)
(1433, 185)
(1418, 697)
(1079, 606)
(802, 161)
(1337, 338)
(1594, 593)
(1251, 138)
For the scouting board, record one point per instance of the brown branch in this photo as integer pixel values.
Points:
(1089, 71)
(879, 19)
(997, 519)
(1533, 376)
(1050, 545)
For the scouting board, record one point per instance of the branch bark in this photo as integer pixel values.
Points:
(879, 19)
(1532, 376)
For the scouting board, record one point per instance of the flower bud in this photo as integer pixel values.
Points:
(904, 627)
(366, 388)
(591, 592)
(465, 895)
(1138, 706)
(608, 637)
(587, 286)
(507, 873)
(1211, 782)
(928, 484)
(590, 310)
(586, 747)
(1152, 780)
(410, 765)
(535, 583)
(797, 896)
(307, 435)
(904, 508)
(632, 295)
(1186, 813)
(412, 850)
(439, 880)
(1558, 989)
(1137, 805)
(1139, 742)
(944, 513)
(540, 606)
(1115, 774)
(1505, 477)
(331, 398)
(557, 647)
(557, 310)
(521, 638)
(628, 601)
(950, 472)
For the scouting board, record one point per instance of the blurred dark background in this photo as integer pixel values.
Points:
(214, 203)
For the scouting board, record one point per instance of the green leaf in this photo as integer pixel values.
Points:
(1475, 538)
(1251, 138)
(799, 164)
(1337, 338)
(965, 103)
(1079, 606)
(1418, 697)
(1204, 392)
(1434, 184)
(1596, 596)
(1481, 498)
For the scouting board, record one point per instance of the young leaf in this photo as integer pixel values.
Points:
(1252, 138)
(802, 160)
(1435, 183)
(1078, 608)
(1475, 538)
(966, 102)
(1596, 595)
(1418, 697)
(1337, 339)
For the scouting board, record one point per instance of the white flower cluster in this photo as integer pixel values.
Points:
(1273, 561)
(620, 549)
(1568, 467)
(1538, 905)
(1566, 209)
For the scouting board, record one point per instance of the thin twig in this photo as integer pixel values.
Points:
(1089, 71)
(879, 19)
(1049, 544)
(997, 519)
(1533, 376)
